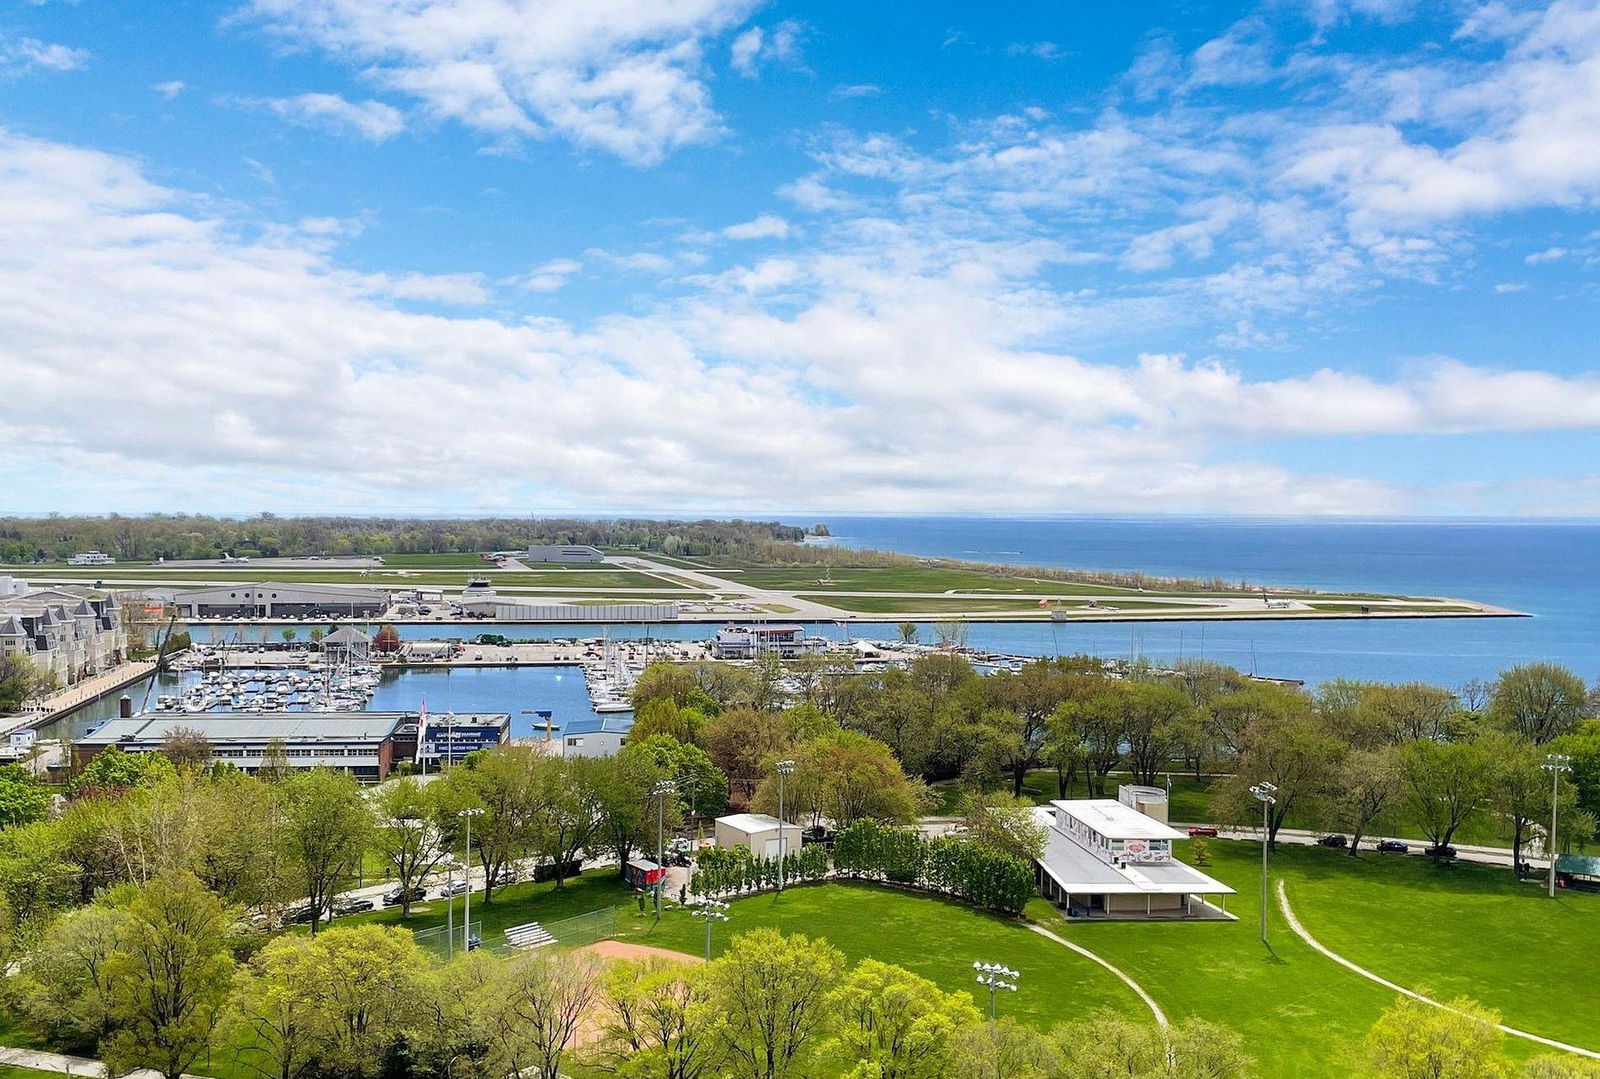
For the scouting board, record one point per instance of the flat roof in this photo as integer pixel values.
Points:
(1114, 820)
(606, 724)
(296, 727)
(1076, 870)
(754, 822)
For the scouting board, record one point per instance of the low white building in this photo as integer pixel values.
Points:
(91, 558)
(1105, 859)
(596, 736)
(759, 832)
(569, 553)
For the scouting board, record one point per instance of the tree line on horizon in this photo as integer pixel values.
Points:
(55, 538)
(189, 536)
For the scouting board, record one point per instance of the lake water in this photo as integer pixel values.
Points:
(1545, 568)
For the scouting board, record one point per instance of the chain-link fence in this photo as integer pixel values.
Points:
(439, 943)
(584, 928)
(571, 932)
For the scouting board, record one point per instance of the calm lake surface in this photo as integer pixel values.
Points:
(1546, 568)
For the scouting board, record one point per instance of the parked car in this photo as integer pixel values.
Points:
(1443, 853)
(352, 905)
(1334, 840)
(816, 834)
(1392, 846)
(299, 915)
(455, 887)
(1207, 830)
(394, 896)
(474, 942)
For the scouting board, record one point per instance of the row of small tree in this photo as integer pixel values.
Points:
(968, 870)
(732, 870)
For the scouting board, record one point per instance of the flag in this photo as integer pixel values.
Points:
(1044, 603)
(422, 726)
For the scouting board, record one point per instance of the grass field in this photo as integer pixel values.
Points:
(1464, 931)
(906, 579)
(922, 604)
(1459, 931)
(933, 937)
(378, 578)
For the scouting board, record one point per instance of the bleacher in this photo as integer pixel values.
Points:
(530, 935)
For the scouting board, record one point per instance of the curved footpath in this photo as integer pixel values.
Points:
(1300, 931)
(40, 1060)
(1150, 1001)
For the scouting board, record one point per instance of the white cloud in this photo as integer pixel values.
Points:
(844, 92)
(877, 370)
(549, 276)
(22, 55)
(370, 120)
(1549, 254)
(624, 76)
(170, 89)
(759, 46)
(1510, 286)
(764, 227)
(1039, 50)
(633, 261)
(460, 289)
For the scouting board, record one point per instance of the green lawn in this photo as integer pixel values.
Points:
(907, 579)
(513, 905)
(923, 605)
(389, 577)
(1464, 931)
(933, 937)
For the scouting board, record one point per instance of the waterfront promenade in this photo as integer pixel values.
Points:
(78, 694)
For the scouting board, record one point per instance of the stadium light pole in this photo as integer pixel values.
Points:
(661, 790)
(712, 911)
(466, 929)
(1555, 764)
(785, 768)
(1266, 794)
(450, 907)
(996, 977)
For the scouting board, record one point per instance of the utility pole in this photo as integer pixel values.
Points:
(785, 768)
(1266, 794)
(1555, 764)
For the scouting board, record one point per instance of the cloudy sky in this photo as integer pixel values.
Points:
(1311, 256)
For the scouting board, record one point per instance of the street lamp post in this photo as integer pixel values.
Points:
(466, 929)
(661, 790)
(712, 911)
(785, 768)
(1266, 794)
(996, 977)
(1555, 764)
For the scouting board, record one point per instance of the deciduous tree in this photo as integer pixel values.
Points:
(776, 993)
(899, 1024)
(1413, 1040)
(327, 825)
(169, 977)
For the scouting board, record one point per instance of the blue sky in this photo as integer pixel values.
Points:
(1307, 256)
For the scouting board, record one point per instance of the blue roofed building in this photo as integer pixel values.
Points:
(595, 736)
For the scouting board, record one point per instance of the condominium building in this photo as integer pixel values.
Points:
(69, 634)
